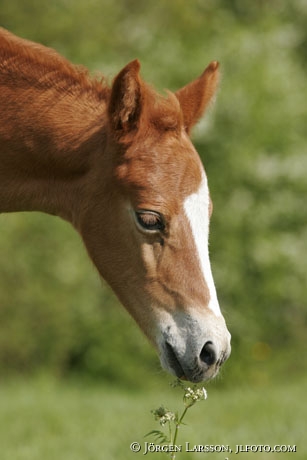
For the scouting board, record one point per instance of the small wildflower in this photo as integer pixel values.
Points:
(172, 420)
(191, 396)
(163, 415)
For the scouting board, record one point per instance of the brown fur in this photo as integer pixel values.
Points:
(92, 154)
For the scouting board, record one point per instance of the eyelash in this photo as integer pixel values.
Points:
(150, 221)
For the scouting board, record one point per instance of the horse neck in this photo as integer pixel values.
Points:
(49, 144)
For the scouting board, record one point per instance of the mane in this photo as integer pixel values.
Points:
(26, 63)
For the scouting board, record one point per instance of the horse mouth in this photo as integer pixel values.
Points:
(196, 372)
(173, 362)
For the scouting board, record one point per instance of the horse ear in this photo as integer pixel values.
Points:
(126, 99)
(195, 96)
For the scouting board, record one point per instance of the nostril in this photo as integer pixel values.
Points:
(208, 354)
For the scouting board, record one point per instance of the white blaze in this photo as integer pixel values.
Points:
(196, 207)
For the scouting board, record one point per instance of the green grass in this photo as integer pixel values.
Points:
(43, 419)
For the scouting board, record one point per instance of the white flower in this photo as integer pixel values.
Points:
(191, 396)
(163, 415)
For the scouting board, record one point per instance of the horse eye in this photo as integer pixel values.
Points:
(150, 220)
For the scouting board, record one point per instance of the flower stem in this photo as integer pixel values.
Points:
(170, 433)
(173, 454)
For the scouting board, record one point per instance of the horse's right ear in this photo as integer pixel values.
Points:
(125, 104)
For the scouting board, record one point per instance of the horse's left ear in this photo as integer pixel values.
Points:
(125, 103)
(195, 96)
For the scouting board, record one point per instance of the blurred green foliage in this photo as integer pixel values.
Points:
(54, 312)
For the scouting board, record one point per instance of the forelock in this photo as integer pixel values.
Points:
(163, 112)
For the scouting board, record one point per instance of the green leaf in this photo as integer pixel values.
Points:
(158, 435)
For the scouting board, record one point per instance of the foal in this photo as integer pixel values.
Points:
(118, 164)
